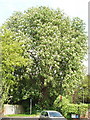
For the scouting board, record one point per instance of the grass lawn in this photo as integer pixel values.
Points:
(23, 115)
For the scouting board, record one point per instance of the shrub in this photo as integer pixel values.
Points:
(66, 108)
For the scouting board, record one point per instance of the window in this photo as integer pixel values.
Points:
(55, 114)
(44, 114)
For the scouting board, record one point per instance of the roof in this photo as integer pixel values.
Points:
(49, 111)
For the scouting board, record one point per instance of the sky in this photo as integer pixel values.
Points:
(72, 8)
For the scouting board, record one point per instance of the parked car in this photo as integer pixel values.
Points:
(51, 115)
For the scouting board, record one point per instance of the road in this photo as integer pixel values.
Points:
(19, 118)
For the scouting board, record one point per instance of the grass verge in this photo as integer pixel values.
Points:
(23, 115)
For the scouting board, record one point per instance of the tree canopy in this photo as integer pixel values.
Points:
(42, 54)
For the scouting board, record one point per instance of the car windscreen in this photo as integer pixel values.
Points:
(55, 114)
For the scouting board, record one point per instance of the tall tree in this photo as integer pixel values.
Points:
(56, 46)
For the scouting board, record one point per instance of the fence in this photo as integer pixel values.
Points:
(12, 109)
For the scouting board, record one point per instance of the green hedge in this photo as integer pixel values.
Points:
(66, 108)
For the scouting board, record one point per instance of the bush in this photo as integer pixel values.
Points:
(66, 108)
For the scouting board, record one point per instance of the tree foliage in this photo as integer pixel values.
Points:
(43, 57)
(13, 58)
